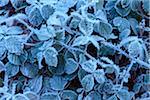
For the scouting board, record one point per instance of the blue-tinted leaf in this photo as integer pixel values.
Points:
(86, 27)
(31, 1)
(124, 34)
(121, 23)
(121, 9)
(146, 6)
(88, 83)
(58, 82)
(89, 66)
(71, 66)
(14, 30)
(50, 56)
(20, 97)
(2, 49)
(68, 95)
(93, 96)
(2, 67)
(11, 69)
(14, 44)
(35, 17)
(29, 70)
(35, 84)
(48, 2)
(46, 11)
(45, 33)
(112, 98)
(123, 95)
(134, 25)
(99, 76)
(50, 96)
(31, 95)
(135, 49)
(80, 40)
(17, 59)
(103, 28)
(17, 3)
(3, 2)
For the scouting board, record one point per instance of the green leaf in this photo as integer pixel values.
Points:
(88, 83)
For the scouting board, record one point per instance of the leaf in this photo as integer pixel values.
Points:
(48, 2)
(35, 84)
(14, 44)
(123, 95)
(121, 23)
(89, 66)
(86, 27)
(14, 30)
(2, 67)
(123, 10)
(50, 56)
(71, 66)
(2, 49)
(35, 17)
(3, 2)
(112, 98)
(99, 75)
(93, 96)
(146, 6)
(31, 95)
(134, 25)
(31, 1)
(17, 3)
(11, 69)
(88, 82)
(29, 70)
(124, 34)
(103, 28)
(45, 33)
(40, 58)
(69, 95)
(17, 59)
(58, 82)
(20, 96)
(50, 96)
(80, 40)
(135, 49)
(47, 11)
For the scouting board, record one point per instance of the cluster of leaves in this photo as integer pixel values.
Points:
(74, 50)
